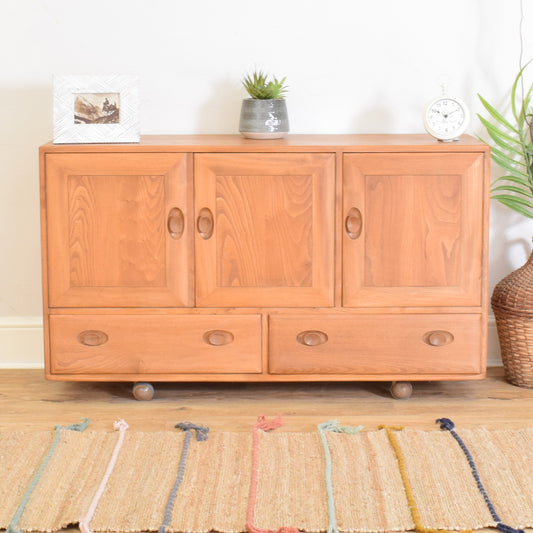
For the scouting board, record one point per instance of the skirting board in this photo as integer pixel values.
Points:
(21, 343)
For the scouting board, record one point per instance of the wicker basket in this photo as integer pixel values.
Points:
(512, 303)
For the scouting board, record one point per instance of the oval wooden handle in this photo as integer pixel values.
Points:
(176, 222)
(354, 223)
(205, 223)
(438, 338)
(218, 337)
(312, 338)
(92, 337)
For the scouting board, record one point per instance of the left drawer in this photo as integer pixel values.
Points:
(155, 344)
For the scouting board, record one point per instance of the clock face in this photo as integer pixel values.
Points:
(446, 118)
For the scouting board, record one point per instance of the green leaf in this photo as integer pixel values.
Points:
(511, 188)
(502, 155)
(515, 179)
(493, 132)
(516, 207)
(496, 115)
(523, 112)
(506, 166)
(516, 199)
(513, 91)
(491, 128)
(259, 87)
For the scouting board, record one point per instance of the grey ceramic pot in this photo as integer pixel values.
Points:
(264, 119)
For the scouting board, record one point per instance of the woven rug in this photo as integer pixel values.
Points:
(333, 479)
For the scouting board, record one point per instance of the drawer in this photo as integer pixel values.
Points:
(375, 344)
(150, 344)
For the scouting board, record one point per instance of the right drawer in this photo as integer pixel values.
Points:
(376, 344)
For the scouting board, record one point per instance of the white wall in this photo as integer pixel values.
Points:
(353, 66)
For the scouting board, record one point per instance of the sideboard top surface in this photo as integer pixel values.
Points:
(291, 143)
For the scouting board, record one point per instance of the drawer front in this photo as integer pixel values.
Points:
(375, 344)
(149, 344)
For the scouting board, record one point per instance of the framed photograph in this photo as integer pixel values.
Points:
(96, 109)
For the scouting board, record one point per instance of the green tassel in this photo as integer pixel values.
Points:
(334, 427)
(12, 528)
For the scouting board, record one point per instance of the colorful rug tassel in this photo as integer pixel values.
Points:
(413, 508)
(447, 425)
(201, 435)
(121, 426)
(12, 528)
(333, 426)
(261, 425)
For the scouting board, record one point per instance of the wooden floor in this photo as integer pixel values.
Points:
(29, 402)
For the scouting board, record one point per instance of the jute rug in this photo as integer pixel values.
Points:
(371, 481)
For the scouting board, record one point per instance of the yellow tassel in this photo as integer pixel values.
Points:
(415, 514)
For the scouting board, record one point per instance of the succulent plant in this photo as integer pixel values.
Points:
(259, 87)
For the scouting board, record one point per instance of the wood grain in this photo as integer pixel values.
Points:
(145, 345)
(308, 258)
(28, 401)
(374, 345)
(107, 230)
(423, 238)
(273, 238)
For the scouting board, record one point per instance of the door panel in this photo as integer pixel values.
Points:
(118, 230)
(271, 229)
(421, 237)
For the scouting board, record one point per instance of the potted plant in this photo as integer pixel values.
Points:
(512, 299)
(264, 114)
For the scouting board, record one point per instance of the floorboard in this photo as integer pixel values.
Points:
(28, 401)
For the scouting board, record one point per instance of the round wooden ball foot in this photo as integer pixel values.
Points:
(143, 391)
(401, 390)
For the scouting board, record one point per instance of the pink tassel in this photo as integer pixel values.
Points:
(263, 425)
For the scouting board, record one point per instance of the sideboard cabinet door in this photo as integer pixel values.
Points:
(119, 230)
(264, 229)
(413, 229)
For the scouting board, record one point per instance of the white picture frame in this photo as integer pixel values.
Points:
(96, 109)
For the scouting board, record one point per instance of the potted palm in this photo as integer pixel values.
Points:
(512, 299)
(264, 114)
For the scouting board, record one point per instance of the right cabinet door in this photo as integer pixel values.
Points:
(413, 229)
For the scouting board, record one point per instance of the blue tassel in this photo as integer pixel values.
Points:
(201, 434)
(448, 425)
(201, 431)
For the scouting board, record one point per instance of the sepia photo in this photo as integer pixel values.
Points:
(97, 108)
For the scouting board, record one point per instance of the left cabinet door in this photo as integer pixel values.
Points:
(118, 230)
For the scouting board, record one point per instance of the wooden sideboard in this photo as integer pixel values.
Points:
(309, 258)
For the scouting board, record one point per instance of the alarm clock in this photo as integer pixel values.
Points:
(446, 118)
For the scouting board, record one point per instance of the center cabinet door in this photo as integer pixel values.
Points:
(264, 229)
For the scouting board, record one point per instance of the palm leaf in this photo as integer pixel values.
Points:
(526, 102)
(502, 155)
(499, 135)
(512, 188)
(515, 199)
(516, 207)
(507, 166)
(513, 94)
(496, 115)
(512, 150)
(515, 179)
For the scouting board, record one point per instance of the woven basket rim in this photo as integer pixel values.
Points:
(512, 312)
